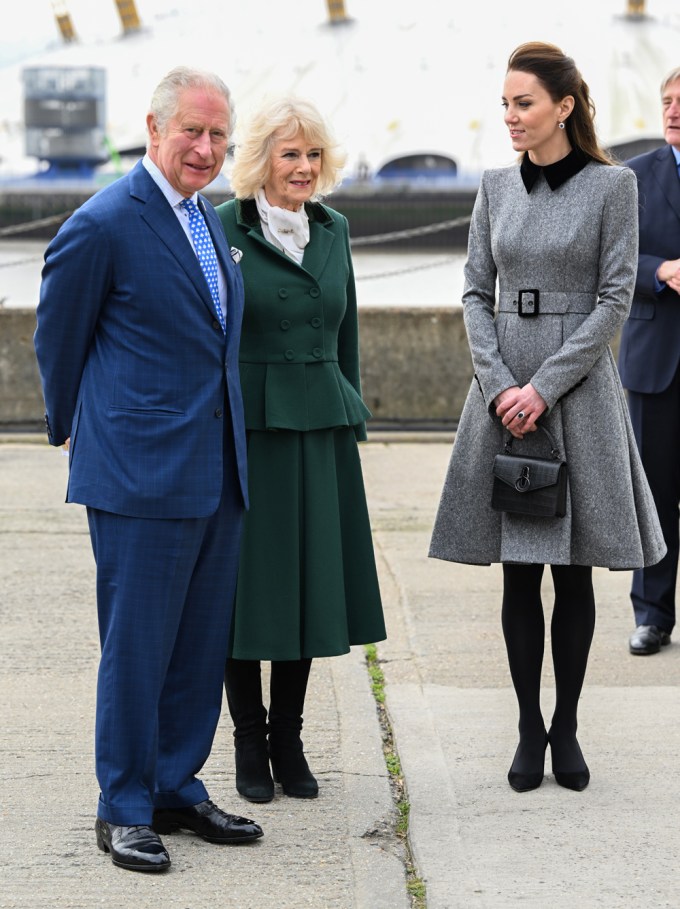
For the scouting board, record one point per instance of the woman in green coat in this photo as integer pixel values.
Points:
(307, 584)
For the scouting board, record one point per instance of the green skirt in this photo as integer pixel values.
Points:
(307, 583)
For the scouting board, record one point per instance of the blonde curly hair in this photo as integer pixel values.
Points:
(283, 118)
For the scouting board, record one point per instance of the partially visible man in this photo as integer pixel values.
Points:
(137, 343)
(649, 361)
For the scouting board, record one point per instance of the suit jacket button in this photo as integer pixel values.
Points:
(317, 352)
(316, 322)
(289, 355)
(283, 293)
(314, 292)
(218, 412)
(217, 325)
(285, 324)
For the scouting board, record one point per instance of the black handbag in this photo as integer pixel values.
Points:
(530, 485)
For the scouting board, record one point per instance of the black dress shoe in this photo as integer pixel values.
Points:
(134, 848)
(648, 639)
(208, 821)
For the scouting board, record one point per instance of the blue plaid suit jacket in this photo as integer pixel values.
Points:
(134, 365)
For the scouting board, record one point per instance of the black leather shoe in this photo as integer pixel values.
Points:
(134, 848)
(648, 639)
(208, 821)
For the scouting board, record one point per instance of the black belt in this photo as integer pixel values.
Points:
(528, 303)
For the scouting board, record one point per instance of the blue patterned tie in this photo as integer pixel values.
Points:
(206, 253)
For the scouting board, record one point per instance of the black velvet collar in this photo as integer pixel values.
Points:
(555, 174)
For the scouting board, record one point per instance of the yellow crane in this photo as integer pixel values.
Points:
(64, 22)
(127, 10)
(336, 11)
(129, 17)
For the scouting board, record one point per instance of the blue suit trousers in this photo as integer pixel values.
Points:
(165, 591)
(656, 424)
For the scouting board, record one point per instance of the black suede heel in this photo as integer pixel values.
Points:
(525, 782)
(577, 780)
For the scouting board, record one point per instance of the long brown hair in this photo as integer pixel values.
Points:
(560, 77)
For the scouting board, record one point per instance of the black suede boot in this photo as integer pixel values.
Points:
(288, 686)
(242, 682)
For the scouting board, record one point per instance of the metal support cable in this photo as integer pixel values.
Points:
(26, 261)
(447, 260)
(411, 232)
(32, 225)
(354, 241)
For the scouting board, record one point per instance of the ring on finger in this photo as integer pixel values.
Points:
(520, 415)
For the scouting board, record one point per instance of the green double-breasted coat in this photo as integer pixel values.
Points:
(307, 580)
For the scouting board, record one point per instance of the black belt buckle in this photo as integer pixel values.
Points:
(527, 305)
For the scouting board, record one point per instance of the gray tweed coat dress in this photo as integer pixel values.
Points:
(576, 244)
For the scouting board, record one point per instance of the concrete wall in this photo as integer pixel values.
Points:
(21, 401)
(416, 367)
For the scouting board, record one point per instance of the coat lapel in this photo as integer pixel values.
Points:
(666, 174)
(321, 236)
(321, 239)
(160, 217)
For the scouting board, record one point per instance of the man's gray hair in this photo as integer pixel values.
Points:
(165, 99)
(673, 76)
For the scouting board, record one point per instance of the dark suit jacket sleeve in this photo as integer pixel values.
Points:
(75, 283)
(649, 351)
(646, 275)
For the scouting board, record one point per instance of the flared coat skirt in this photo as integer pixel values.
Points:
(611, 520)
(307, 584)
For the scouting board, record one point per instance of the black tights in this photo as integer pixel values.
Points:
(572, 627)
(287, 689)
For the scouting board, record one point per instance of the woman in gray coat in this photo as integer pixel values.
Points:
(549, 278)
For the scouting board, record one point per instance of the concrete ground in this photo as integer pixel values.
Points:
(476, 843)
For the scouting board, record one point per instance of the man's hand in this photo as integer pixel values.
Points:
(669, 274)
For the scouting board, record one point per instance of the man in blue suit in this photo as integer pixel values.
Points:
(137, 339)
(649, 362)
